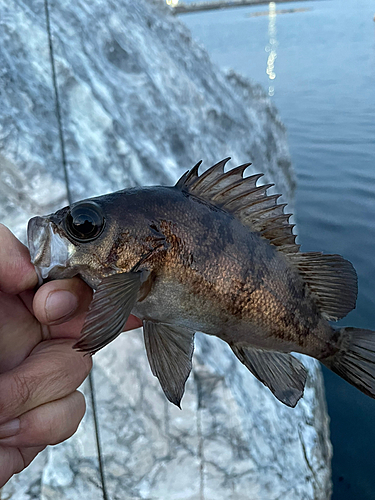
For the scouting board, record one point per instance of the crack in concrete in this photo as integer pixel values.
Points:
(311, 469)
(200, 454)
(200, 435)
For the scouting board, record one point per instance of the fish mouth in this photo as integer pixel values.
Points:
(49, 252)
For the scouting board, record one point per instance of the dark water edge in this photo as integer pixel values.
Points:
(324, 88)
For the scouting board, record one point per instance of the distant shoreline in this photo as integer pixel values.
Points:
(183, 8)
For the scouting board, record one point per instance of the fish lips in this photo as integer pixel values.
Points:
(49, 251)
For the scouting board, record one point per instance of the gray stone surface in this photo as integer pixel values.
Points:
(140, 104)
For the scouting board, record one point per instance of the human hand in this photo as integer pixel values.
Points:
(39, 370)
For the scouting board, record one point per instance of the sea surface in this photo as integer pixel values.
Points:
(318, 65)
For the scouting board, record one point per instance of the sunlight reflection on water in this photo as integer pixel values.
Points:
(271, 46)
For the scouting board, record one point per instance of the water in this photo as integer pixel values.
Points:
(321, 75)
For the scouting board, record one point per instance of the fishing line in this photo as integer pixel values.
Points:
(69, 196)
(57, 103)
(98, 445)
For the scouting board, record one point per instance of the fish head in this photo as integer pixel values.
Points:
(85, 239)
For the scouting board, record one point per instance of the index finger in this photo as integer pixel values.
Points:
(16, 270)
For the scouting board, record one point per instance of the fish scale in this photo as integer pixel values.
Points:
(214, 253)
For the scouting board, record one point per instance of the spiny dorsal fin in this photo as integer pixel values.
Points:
(332, 279)
(188, 176)
(241, 197)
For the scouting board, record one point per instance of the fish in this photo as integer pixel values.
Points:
(214, 253)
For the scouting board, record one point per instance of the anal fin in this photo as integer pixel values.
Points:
(169, 350)
(282, 373)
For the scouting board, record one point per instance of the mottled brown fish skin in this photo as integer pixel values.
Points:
(209, 272)
(216, 254)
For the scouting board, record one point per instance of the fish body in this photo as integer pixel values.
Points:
(215, 254)
(217, 276)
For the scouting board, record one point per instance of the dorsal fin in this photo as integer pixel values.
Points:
(331, 278)
(188, 176)
(241, 197)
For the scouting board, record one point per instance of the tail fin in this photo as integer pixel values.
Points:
(355, 360)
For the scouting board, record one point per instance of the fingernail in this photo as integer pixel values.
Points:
(9, 428)
(60, 305)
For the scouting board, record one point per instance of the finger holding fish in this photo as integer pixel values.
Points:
(20, 330)
(62, 305)
(17, 274)
(48, 424)
(14, 460)
(52, 371)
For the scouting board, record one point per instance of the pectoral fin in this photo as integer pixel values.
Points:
(110, 308)
(169, 350)
(282, 373)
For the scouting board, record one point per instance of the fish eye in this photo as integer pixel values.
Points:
(85, 221)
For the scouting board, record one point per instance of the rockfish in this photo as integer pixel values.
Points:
(214, 253)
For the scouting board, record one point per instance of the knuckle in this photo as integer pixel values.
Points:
(22, 389)
(15, 396)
